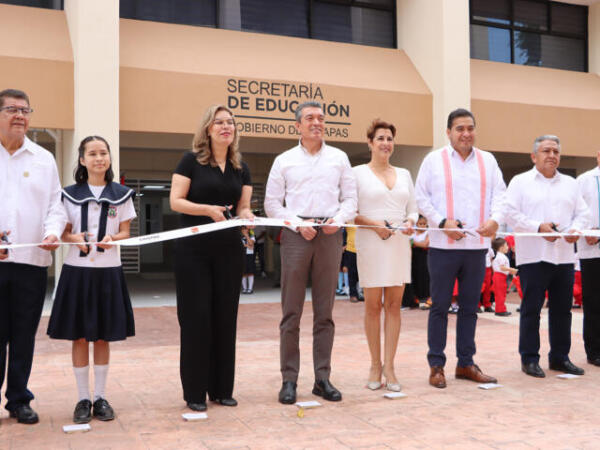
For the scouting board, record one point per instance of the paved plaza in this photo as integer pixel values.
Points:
(145, 391)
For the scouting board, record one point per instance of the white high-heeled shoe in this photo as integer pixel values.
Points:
(374, 385)
(394, 387)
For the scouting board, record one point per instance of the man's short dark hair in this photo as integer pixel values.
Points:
(460, 112)
(13, 93)
(308, 104)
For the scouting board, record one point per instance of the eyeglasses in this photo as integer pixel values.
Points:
(13, 110)
(221, 122)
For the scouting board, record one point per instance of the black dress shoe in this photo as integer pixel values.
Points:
(201, 406)
(489, 309)
(566, 367)
(24, 414)
(323, 388)
(83, 411)
(503, 314)
(287, 394)
(594, 361)
(103, 410)
(225, 401)
(533, 369)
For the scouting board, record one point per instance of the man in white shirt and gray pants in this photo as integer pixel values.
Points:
(458, 186)
(314, 182)
(588, 251)
(31, 212)
(542, 200)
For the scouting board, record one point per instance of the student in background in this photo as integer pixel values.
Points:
(502, 269)
(249, 241)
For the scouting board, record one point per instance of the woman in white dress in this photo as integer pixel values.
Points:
(385, 198)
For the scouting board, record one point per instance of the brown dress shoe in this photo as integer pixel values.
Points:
(474, 373)
(437, 378)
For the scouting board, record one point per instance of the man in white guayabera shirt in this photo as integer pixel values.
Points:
(588, 251)
(314, 182)
(31, 212)
(458, 186)
(544, 200)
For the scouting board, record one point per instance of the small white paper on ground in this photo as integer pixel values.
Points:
(195, 416)
(307, 405)
(77, 428)
(393, 395)
(567, 376)
(488, 386)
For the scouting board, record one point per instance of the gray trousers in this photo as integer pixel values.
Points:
(321, 259)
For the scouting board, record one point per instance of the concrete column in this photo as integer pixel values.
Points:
(94, 30)
(435, 36)
(594, 38)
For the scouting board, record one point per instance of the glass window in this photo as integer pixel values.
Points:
(487, 11)
(490, 43)
(531, 14)
(185, 12)
(48, 4)
(372, 27)
(368, 22)
(530, 32)
(331, 22)
(284, 17)
(569, 19)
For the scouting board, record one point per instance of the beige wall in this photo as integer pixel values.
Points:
(36, 57)
(594, 38)
(514, 104)
(165, 85)
(435, 35)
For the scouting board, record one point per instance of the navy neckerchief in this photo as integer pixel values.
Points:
(113, 194)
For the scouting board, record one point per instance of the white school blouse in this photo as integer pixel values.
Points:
(116, 214)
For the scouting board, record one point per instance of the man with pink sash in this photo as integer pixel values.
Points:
(460, 188)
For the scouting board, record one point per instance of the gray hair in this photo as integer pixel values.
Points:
(545, 137)
(308, 104)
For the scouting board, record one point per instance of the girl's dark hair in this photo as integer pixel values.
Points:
(497, 243)
(81, 173)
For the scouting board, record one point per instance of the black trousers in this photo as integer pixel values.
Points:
(208, 275)
(22, 292)
(349, 260)
(590, 284)
(557, 279)
(445, 266)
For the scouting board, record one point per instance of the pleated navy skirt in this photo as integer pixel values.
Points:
(91, 303)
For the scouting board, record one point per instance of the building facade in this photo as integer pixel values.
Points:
(141, 73)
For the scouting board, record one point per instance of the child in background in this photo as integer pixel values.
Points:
(342, 287)
(420, 272)
(502, 269)
(349, 262)
(577, 290)
(248, 240)
(91, 302)
(486, 290)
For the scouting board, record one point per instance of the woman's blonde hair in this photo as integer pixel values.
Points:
(201, 145)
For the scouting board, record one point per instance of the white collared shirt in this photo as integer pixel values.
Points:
(533, 199)
(31, 206)
(501, 260)
(430, 190)
(319, 185)
(589, 189)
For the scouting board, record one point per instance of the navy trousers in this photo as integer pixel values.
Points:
(446, 266)
(22, 292)
(590, 284)
(536, 279)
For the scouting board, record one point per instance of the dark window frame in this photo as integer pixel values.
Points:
(350, 3)
(549, 32)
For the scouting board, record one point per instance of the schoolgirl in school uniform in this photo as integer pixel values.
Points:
(92, 303)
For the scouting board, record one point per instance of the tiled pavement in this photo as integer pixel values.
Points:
(144, 389)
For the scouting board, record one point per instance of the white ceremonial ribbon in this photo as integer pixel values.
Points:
(268, 222)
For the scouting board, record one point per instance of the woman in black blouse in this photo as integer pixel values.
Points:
(208, 267)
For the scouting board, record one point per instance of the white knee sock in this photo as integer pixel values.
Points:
(100, 374)
(82, 377)
(250, 282)
(244, 283)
